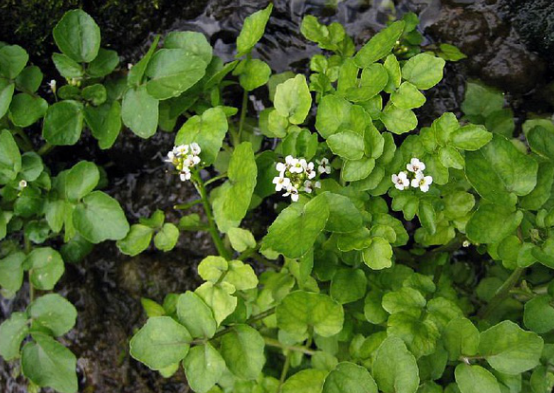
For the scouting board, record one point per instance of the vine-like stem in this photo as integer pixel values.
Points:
(27, 245)
(199, 184)
(216, 178)
(502, 293)
(295, 348)
(243, 110)
(185, 206)
(284, 372)
(45, 149)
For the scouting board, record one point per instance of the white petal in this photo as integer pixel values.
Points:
(281, 167)
(415, 183)
(294, 197)
(424, 187)
(428, 179)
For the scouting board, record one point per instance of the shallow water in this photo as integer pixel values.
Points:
(106, 288)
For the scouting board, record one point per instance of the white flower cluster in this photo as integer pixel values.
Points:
(297, 175)
(184, 157)
(414, 177)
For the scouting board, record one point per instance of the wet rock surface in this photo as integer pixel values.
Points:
(107, 287)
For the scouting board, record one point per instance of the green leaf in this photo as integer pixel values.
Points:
(346, 144)
(252, 73)
(208, 130)
(241, 239)
(461, 337)
(218, 298)
(378, 255)
(10, 157)
(172, 72)
(252, 30)
(499, 170)
(81, 180)
(243, 351)
(151, 308)
(95, 94)
(193, 42)
(26, 109)
(13, 59)
(6, 93)
(380, 45)
(541, 141)
(160, 343)
(67, 67)
(475, 379)
(12, 333)
(539, 314)
(357, 170)
(136, 74)
(241, 276)
(471, 137)
(103, 64)
(450, 52)
(212, 268)
(407, 97)
(196, 316)
(99, 217)
(47, 363)
(420, 336)
(104, 122)
(481, 100)
(293, 99)
(348, 285)
(45, 267)
(29, 80)
(63, 123)
(166, 239)
(299, 311)
(423, 70)
(406, 300)
(203, 366)
(542, 192)
(403, 377)
(11, 273)
(137, 240)
(305, 381)
(78, 36)
(349, 378)
(509, 349)
(139, 112)
(492, 223)
(344, 216)
(392, 66)
(398, 120)
(232, 199)
(295, 230)
(53, 312)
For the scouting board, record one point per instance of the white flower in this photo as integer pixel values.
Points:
(401, 180)
(129, 66)
(22, 184)
(281, 168)
(324, 166)
(298, 166)
(170, 157)
(422, 181)
(195, 148)
(317, 184)
(415, 166)
(310, 170)
(185, 174)
(466, 243)
(191, 161)
(290, 160)
(308, 186)
(293, 192)
(281, 182)
(181, 150)
(52, 85)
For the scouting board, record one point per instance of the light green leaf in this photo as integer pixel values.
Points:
(293, 99)
(11, 273)
(26, 109)
(378, 255)
(305, 381)
(241, 276)
(403, 377)
(461, 337)
(420, 336)
(193, 42)
(48, 363)
(196, 316)
(99, 217)
(475, 379)
(252, 30)
(166, 239)
(252, 73)
(45, 267)
(139, 112)
(346, 144)
(241, 239)
(78, 36)
(212, 268)
(406, 300)
(208, 130)
(348, 285)
(54, 313)
(481, 100)
(295, 230)
(12, 333)
(218, 298)
(203, 366)
(349, 378)
(243, 351)
(423, 70)
(509, 349)
(10, 157)
(542, 192)
(160, 343)
(471, 137)
(356, 170)
(232, 199)
(300, 311)
(398, 120)
(380, 45)
(137, 240)
(344, 216)
(539, 314)
(63, 123)
(407, 97)
(492, 223)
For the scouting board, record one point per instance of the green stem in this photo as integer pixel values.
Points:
(27, 245)
(186, 206)
(284, 372)
(45, 149)
(243, 110)
(216, 178)
(501, 294)
(197, 181)
(295, 348)
(27, 144)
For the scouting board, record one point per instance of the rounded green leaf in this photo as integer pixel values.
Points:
(30, 79)
(212, 267)
(47, 363)
(347, 144)
(509, 349)
(81, 179)
(252, 74)
(407, 97)
(12, 333)
(10, 157)
(203, 366)
(461, 337)
(26, 109)
(67, 67)
(53, 312)
(492, 223)
(6, 94)
(241, 276)
(378, 255)
(405, 299)
(423, 70)
(395, 368)
(139, 112)
(195, 315)
(166, 238)
(348, 285)
(78, 36)
(539, 314)
(475, 379)
(160, 343)
(293, 99)
(349, 378)
(99, 217)
(252, 30)
(398, 120)
(106, 61)
(63, 123)
(302, 310)
(380, 45)
(241, 239)
(45, 267)
(305, 381)
(218, 298)
(243, 351)
(344, 216)
(13, 59)
(193, 42)
(471, 137)
(104, 122)
(11, 273)
(137, 240)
